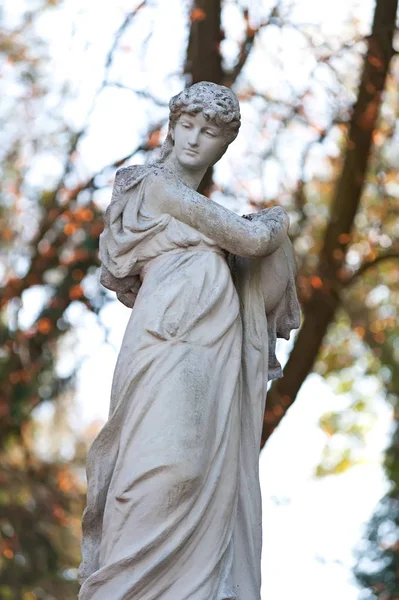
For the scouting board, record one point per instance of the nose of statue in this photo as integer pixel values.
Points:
(193, 140)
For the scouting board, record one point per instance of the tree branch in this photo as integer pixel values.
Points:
(121, 30)
(141, 93)
(392, 253)
(246, 46)
(41, 263)
(319, 311)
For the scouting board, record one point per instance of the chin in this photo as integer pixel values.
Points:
(191, 162)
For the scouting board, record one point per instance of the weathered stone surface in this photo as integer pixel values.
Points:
(174, 507)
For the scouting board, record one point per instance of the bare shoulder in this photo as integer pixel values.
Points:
(159, 189)
(165, 191)
(160, 179)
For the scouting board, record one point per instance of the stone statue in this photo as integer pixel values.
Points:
(174, 506)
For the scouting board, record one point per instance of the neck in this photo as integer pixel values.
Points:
(192, 178)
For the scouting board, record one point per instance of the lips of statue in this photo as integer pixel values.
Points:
(197, 141)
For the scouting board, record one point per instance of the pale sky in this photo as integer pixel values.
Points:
(310, 526)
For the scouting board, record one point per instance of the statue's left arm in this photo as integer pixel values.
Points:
(267, 287)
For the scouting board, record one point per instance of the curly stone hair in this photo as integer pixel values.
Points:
(217, 103)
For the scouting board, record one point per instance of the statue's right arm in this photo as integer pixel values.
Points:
(240, 236)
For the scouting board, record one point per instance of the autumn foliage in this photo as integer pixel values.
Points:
(339, 183)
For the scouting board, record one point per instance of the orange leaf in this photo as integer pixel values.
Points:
(83, 214)
(360, 331)
(44, 325)
(378, 138)
(64, 481)
(376, 62)
(59, 514)
(338, 254)
(197, 14)
(316, 282)
(379, 337)
(277, 410)
(77, 274)
(75, 292)
(251, 31)
(344, 238)
(153, 139)
(87, 214)
(368, 118)
(96, 229)
(69, 228)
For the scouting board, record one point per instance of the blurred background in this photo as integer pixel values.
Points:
(84, 89)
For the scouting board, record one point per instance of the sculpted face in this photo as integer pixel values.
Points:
(198, 142)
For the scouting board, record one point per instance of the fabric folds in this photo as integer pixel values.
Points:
(173, 506)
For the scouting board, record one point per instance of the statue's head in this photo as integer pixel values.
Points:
(203, 120)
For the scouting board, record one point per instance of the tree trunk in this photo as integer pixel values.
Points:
(320, 309)
(203, 62)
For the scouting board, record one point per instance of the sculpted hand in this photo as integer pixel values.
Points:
(276, 213)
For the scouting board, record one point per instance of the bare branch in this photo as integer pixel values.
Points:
(390, 254)
(122, 28)
(141, 93)
(246, 46)
(321, 307)
(108, 61)
(51, 216)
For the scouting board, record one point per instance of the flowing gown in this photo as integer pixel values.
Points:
(174, 507)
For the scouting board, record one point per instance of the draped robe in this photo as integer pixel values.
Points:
(174, 506)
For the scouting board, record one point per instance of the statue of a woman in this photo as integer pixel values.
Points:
(173, 506)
